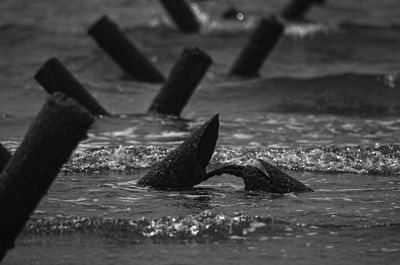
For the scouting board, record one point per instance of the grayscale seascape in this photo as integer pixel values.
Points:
(325, 109)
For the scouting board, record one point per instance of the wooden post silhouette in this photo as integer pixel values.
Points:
(53, 76)
(49, 142)
(182, 81)
(113, 41)
(182, 14)
(296, 9)
(261, 43)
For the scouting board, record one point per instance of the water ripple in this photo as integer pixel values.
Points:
(358, 159)
(203, 226)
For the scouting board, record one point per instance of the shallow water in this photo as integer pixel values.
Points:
(351, 218)
(325, 110)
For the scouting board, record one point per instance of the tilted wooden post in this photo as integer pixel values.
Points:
(50, 140)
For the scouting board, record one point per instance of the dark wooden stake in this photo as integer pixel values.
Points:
(261, 43)
(182, 81)
(296, 9)
(5, 155)
(49, 142)
(113, 41)
(182, 14)
(184, 167)
(53, 76)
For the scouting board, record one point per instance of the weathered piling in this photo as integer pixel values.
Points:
(261, 43)
(53, 76)
(5, 155)
(109, 37)
(182, 14)
(296, 9)
(49, 142)
(182, 81)
(184, 167)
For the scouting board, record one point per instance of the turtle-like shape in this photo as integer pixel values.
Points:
(185, 167)
(268, 179)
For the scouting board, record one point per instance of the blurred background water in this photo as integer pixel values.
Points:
(325, 109)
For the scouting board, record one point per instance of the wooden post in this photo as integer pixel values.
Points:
(114, 42)
(296, 9)
(261, 43)
(182, 81)
(53, 76)
(49, 142)
(182, 14)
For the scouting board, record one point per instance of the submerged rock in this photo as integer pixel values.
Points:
(184, 167)
(267, 178)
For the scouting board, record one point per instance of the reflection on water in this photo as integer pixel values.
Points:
(351, 216)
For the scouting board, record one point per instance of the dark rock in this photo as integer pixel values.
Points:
(184, 167)
(277, 181)
(268, 179)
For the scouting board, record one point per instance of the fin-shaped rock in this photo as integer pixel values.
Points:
(269, 178)
(184, 167)
(280, 182)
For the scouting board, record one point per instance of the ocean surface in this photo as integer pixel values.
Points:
(325, 109)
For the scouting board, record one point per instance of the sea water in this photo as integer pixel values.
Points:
(325, 109)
